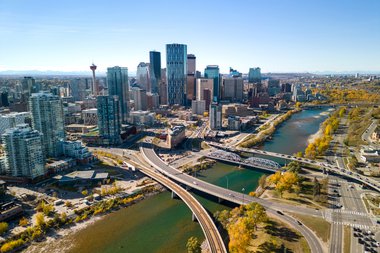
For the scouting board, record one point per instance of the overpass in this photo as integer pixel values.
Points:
(256, 162)
(146, 149)
(210, 231)
(329, 168)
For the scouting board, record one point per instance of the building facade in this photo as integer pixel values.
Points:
(212, 71)
(12, 119)
(176, 73)
(155, 71)
(254, 75)
(24, 155)
(233, 89)
(48, 119)
(215, 116)
(117, 79)
(109, 119)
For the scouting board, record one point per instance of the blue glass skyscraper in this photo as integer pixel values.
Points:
(155, 70)
(212, 72)
(117, 79)
(176, 73)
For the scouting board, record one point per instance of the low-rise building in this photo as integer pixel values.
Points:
(10, 210)
(234, 123)
(142, 118)
(176, 135)
(81, 177)
(90, 117)
(76, 150)
(376, 135)
(369, 154)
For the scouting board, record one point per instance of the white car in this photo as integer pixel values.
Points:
(194, 182)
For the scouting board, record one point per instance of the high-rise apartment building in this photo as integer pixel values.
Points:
(78, 89)
(176, 73)
(117, 79)
(47, 118)
(212, 71)
(215, 116)
(109, 118)
(23, 152)
(254, 75)
(11, 120)
(154, 71)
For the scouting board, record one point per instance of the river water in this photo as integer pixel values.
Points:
(162, 224)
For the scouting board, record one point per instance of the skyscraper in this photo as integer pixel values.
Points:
(191, 70)
(140, 99)
(232, 89)
(155, 71)
(109, 120)
(191, 64)
(142, 76)
(205, 90)
(47, 118)
(254, 75)
(212, 71)
(176, 73)
(117, 79)
(23, 152)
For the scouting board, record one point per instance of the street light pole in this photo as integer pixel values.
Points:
(243, 194)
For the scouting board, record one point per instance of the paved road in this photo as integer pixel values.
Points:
(367, 133)
(373, 184)
(212, 234)
(235, 197)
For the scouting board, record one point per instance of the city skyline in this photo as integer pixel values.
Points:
(278, 36)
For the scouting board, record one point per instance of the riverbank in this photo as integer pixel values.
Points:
(267, 130)
(55, 234)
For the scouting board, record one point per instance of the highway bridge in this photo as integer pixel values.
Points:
(255, 162)
(323, 165)
(210, 231)
(148, 153)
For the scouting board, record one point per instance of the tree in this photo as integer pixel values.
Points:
(223, 217)
(40, 219)
(316, 187)
(23, 222)
(262, 181)
(239, 236)
(193, 245)
(299, 154)
(84, 192)
(294, 166)
(3, 227)
(256, 214)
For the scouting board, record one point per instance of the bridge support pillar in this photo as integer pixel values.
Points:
(220, 200)
(174, 196)
(193, 218)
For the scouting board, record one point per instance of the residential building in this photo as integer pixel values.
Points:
(47, 118)
(12, 119)
(234, 123)
(215, 116)
(153, 100)
(109, 119)
(176, 73)
(24, 155)
(212, 71)
(155, 71)
(76, 150)
(78, 89)
(273, 87)
(176, 135)
(117, 79)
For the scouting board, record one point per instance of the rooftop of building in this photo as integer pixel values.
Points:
(81, 175)
(91, 110)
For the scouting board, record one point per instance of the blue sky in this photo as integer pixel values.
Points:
(277, 35)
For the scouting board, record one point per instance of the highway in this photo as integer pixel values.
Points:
(235, 197)
(340, 171)
(212, 234)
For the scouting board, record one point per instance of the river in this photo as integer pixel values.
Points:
(162, 224)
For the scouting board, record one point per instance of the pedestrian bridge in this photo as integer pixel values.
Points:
(255, 162)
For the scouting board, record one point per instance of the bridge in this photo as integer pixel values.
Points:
(209, 229)
(328, 167)
(148, 153)
(255, 162)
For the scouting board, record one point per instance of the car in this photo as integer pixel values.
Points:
(194, 182)
(279, 212)
(299, 223)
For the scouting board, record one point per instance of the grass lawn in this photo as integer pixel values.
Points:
(274, 236)
(347, 239)
(318, 225)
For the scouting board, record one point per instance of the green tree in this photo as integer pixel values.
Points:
(193, 245)
(294, 166)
